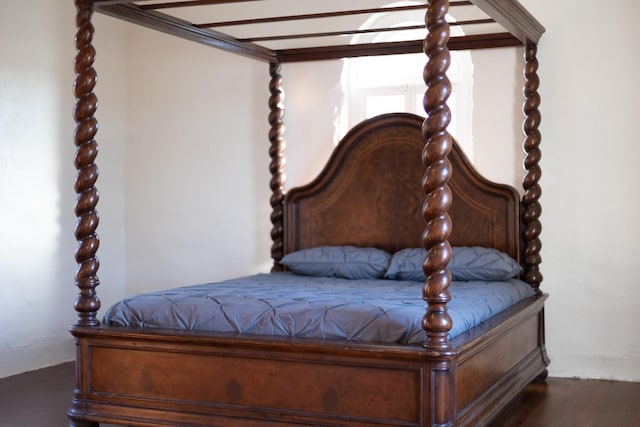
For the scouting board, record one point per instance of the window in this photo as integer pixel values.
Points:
(384, 84)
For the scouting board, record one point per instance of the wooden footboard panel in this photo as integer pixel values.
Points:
(256, 384)
(199, 381)
(169, 378)
(492, 371)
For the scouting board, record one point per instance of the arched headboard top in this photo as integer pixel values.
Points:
(370, 194)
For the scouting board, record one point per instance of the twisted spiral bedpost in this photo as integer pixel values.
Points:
(276, 167)
(87, 302)
(438, 142)
(532, 189)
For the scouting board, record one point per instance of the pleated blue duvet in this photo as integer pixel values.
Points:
(290, 305)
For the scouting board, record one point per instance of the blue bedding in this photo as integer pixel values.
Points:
(285, 304)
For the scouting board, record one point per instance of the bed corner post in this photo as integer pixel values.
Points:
(276, 167)
(438, 143)
(87, 302)
(532, 189)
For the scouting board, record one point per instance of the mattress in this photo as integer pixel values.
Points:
(290, 305)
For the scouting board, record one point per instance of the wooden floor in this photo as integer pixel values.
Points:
(41, 399)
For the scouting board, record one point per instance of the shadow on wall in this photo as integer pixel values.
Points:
(36, 255)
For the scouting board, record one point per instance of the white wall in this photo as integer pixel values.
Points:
(497, 114)
(590, 127)
(312, 96)
(36, 182)
(197, 171)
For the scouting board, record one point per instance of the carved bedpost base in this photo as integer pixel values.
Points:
(73, 423)
(76, 418)
(542, 377)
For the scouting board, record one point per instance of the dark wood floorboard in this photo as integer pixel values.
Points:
(574, 403)
(38, 398)
(41, 399)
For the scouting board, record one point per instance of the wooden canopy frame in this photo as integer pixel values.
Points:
(521, 29)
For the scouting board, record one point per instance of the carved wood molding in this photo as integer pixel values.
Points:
(278, 160)
(437, 322)
(177, 27)
(87, 302)
(513, 17)
(533, 191)
(478, 41)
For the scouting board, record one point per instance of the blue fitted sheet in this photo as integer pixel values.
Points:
(285, 304)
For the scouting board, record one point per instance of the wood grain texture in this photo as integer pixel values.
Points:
(40, 398)
(376, 172)
(562, 402)
(147, 376)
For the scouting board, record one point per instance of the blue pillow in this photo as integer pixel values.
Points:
(347, 262)
(467, 263)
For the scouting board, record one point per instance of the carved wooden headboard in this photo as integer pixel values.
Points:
(370, 194)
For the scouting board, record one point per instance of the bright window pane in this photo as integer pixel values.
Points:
(419, 107)
(379, 104)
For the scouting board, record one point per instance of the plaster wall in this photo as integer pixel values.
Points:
(36, 179)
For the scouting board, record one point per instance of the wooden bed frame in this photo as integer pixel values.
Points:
(373, 183)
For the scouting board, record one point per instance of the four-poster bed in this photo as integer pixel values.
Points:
(370, 195)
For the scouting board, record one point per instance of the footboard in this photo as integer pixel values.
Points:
(130, 377)
(153, 377)
(491, 371)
